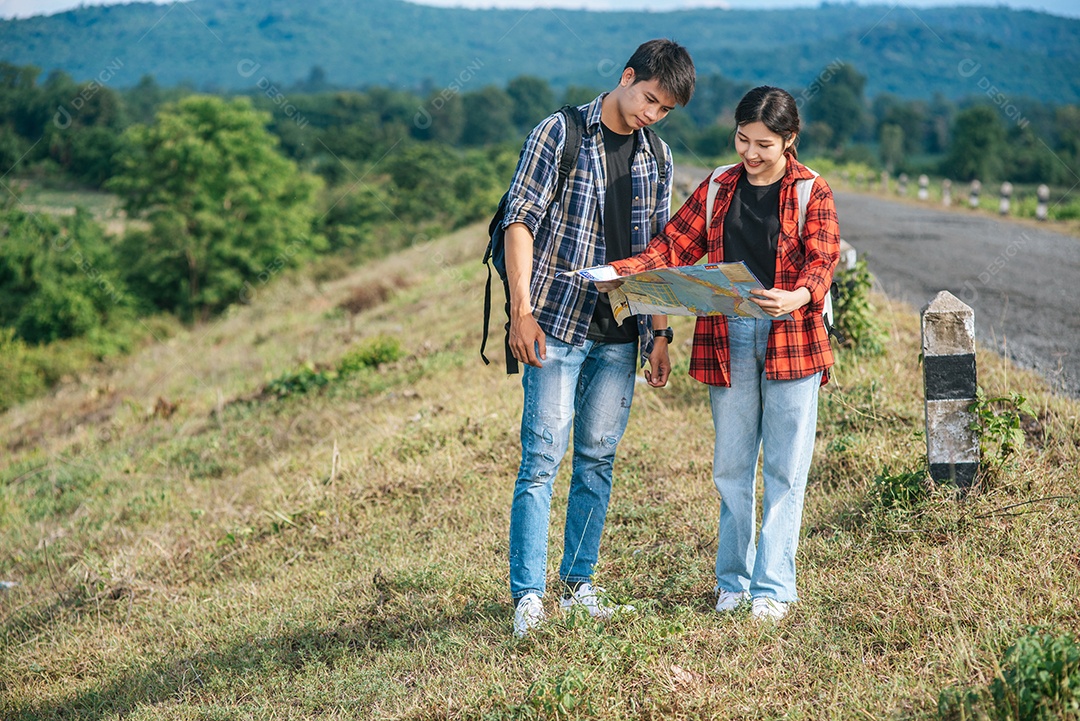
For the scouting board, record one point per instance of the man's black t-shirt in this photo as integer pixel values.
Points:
(618, 203)
(752, 228)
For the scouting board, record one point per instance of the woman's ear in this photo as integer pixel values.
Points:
(791, 142)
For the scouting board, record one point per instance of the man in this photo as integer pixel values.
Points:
(580, 364)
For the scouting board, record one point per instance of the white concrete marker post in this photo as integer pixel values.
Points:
(1042, 209)
(973, 194)
(1006, 198)
(948, 345)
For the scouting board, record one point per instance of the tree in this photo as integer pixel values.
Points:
(978, 149)
(579, 94)
(1067, 126)
(533, 101)
(488, 117)
(143, 100)
(226, 211)
(891, 139)
(907, 115)
(838, 103)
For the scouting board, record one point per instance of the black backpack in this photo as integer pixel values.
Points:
(495, 255)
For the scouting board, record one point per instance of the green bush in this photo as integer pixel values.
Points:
(901, 491)
(20, 376)
(1039, 680)
(372, 353)
(58, 278)
(305, 378)
(855, 315)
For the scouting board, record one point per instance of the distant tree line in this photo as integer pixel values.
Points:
(223, 193)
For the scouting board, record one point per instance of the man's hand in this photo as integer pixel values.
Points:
(527, 342)
(778, 302)
(659, 363)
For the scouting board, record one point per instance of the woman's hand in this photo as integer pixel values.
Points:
(778, 302)
(605, 286)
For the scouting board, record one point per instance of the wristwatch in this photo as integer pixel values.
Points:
(664, 333)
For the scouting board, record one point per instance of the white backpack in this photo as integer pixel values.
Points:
(803, 187)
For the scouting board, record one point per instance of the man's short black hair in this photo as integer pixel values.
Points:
(669, 64)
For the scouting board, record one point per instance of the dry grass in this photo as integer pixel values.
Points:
(341, 554)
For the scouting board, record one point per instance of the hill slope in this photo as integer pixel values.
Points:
(233, 44)
(191, 541)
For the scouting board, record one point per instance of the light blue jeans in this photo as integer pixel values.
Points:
(588, 388)
(780, 419)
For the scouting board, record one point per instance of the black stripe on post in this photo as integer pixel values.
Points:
(949, 377)
(962, 474)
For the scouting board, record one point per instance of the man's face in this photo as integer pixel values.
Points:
(641, 103)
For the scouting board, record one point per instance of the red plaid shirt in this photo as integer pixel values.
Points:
(798, 347)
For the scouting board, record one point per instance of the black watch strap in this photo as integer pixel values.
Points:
(664, 333)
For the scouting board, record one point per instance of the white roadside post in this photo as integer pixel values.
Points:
(973, 196)
(948, 346)
(946, 192)
(1006, 197)
(924, 187)
(1042, 209)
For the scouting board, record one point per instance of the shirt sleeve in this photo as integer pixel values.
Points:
(533, 187)
(821, 242)
(681, 242)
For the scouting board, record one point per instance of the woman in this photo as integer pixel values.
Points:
(763, 375)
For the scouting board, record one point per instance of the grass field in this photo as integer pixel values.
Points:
(271, 517)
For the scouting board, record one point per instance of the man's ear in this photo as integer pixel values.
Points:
(628, 78)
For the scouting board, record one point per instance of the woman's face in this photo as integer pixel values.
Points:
(762, 152)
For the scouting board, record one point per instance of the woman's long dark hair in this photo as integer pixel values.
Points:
(775, 109)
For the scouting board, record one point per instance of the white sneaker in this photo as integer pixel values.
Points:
(528, 614)
(730, 600)
(768, 609)
(593, 599)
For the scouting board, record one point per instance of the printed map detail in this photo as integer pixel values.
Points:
(701, 290)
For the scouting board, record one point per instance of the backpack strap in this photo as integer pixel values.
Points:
(657, 147)
(804, 188)
(575, 128)
(714, 190)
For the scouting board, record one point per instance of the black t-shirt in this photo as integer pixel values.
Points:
(618, 203)
(752, 228)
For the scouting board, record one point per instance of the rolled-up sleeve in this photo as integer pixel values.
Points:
(681, 242)
(533, 187)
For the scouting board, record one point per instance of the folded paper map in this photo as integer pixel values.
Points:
(701, 290)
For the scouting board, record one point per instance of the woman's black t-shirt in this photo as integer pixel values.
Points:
(752, 228)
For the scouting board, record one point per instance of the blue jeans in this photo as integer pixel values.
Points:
(589, 387)
(780, 419)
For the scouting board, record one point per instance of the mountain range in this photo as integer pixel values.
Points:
(236, 45)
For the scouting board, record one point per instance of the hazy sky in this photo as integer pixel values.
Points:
(1071, 8)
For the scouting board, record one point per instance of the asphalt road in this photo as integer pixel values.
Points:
(1022, 281)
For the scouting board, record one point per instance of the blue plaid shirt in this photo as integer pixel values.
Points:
(568, 233)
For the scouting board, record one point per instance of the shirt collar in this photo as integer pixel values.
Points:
(592, 113)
